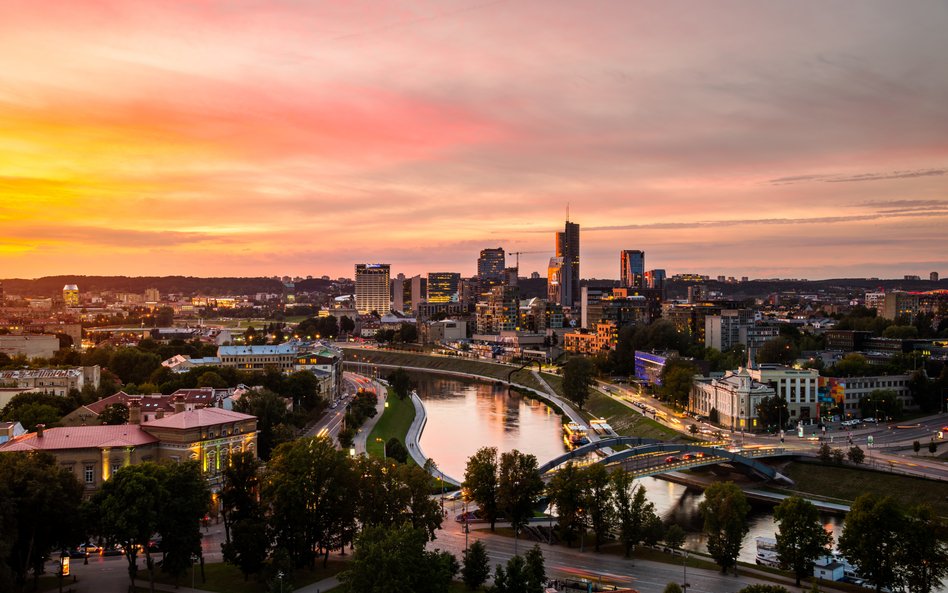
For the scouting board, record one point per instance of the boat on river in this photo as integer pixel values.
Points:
(575, 435)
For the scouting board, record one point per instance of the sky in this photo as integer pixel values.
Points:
(291, 137)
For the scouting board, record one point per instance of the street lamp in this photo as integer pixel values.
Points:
(280, 578)
(380, 440)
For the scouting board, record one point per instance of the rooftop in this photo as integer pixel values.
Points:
(196, 418)
(286, 348)
(81, 437)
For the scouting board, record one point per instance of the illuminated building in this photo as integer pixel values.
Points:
(655, 279)
(406, 294)
(632, 268)
(900, 305)
(443, 287)
(490, 270)
(71, 295)
(372, 288)
(554, 280)
(567, 248)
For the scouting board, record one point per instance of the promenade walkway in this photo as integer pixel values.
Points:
(363, 435)
(413, 440)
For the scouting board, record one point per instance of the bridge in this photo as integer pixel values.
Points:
(649, 457)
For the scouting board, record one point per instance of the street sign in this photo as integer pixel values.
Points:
(869, 440)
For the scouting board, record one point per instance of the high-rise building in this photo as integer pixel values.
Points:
(933, 276)
(372, 288)
(490, 269)
(406, 294)
(900, 305)
(655, 279)
(443, 287)
(71, 295)
(152, 295)
(632, 268)
(504, 306)
(567, 248)
(554, 280)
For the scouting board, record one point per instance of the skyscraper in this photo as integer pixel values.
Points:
(372, 288)
(443, 287)
(655, 279)
(406, 294)
(71, 295)
(490, 269)
(567, 247)
(632, 268)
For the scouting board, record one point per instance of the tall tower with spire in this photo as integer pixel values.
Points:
(567, 248)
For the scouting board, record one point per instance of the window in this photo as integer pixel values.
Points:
(89, 474)
(115, 468)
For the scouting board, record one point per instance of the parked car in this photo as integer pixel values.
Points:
(76, 553)
(90, 548)
(116, 550)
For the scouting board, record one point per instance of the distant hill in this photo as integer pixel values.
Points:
(188, 285)
(760, 288)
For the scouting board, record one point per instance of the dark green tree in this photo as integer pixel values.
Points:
(39, 511)
(922, 553)
(394, 449)
(211, 379)
(578, 375)
(674, 537)
(519, 486)
(180, 515)
(512, 579)
(565, 491)
(308, 489)
(114, 414)
(394, 560)
(597, 501)
(677, 377)
(475, 568)
(672, 588)
(870, 539)
(481, 482)
(270, 410)
(801, 538)
(400, 382)
(773, 411)
(632, 509)
(856, 455)
(724, 510)
(418, 507)
(932, 447)
(764, 589)
(246, 543)
(535, 570)
(780, 350)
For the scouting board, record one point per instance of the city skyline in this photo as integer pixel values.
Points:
(284, 138)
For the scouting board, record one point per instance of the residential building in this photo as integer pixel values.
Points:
(54, 381)
(446, 331)
(406, 294)
(655, 279)
(555, 281)
(900, 305)
(259, 358)
(10, 430)
(933, 277)
(150, 406)
(847, 391)
(152, 295)
(632, 268)
(846, 340)
(876, 301)
(372, 288)
(71, 295)
(732, 327)
(798, 387)
(29, 345)
(443, 287)
(209, 436)
(602, 340)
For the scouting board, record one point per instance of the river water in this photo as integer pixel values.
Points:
(464, 416)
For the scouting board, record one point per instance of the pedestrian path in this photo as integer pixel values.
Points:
(362, 436)
(413, 440)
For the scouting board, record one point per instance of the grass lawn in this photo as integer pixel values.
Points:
(843, 483)
(625, 421)
(394, 422)
(225, 578)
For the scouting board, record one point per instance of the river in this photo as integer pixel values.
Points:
(464, 416)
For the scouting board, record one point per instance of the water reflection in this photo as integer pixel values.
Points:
(464, 416)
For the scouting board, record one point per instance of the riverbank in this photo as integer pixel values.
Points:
(394, 423)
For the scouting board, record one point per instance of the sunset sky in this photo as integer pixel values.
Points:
(243, 138)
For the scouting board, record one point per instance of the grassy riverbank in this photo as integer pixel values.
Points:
(625, 421)
(844, 484)
(394, 423)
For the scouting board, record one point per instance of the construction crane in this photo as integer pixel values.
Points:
(519, 253)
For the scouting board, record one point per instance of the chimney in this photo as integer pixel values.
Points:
(178, 402)
(159, 414)
(39, 430)
(134, 412)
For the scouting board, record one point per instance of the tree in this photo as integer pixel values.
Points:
(511, 580)
(390, 560)
(246, 543)
(900, 332)
(724, 509)
(39, 508)
(308, 489)
(475, 568)
(916, 446)
(211, 379)
(870, 538)
(519, 486)
(400, 383)
(481, 481)
(114, 414)
(856, 455)
(675, 537)
(417, 506)
(922, 555)
(779, 350)
(180, 514)
(346, 324)
(881, 402)
(394, 449)
(825, 453)
(565, 491)
(578, 376)
(764, 589)
(672, 588)
(535, 570)
(126, 511)
(801, 538)
(270, 410)
(851, 365)
(677, 376)
(773, 411)
(633, 510)
(837, 455)
(714, 416)
(597, 504)
(932, 447)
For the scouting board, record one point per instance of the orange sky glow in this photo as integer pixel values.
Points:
(250, 138)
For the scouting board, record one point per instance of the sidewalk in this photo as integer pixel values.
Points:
(413, 439)
(363, 435)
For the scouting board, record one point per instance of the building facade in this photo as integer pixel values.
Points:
(632, 268)
(734, 398)
(29, 345)
(490, 270)
(567, 248)
(372, 288)
(443, 287)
